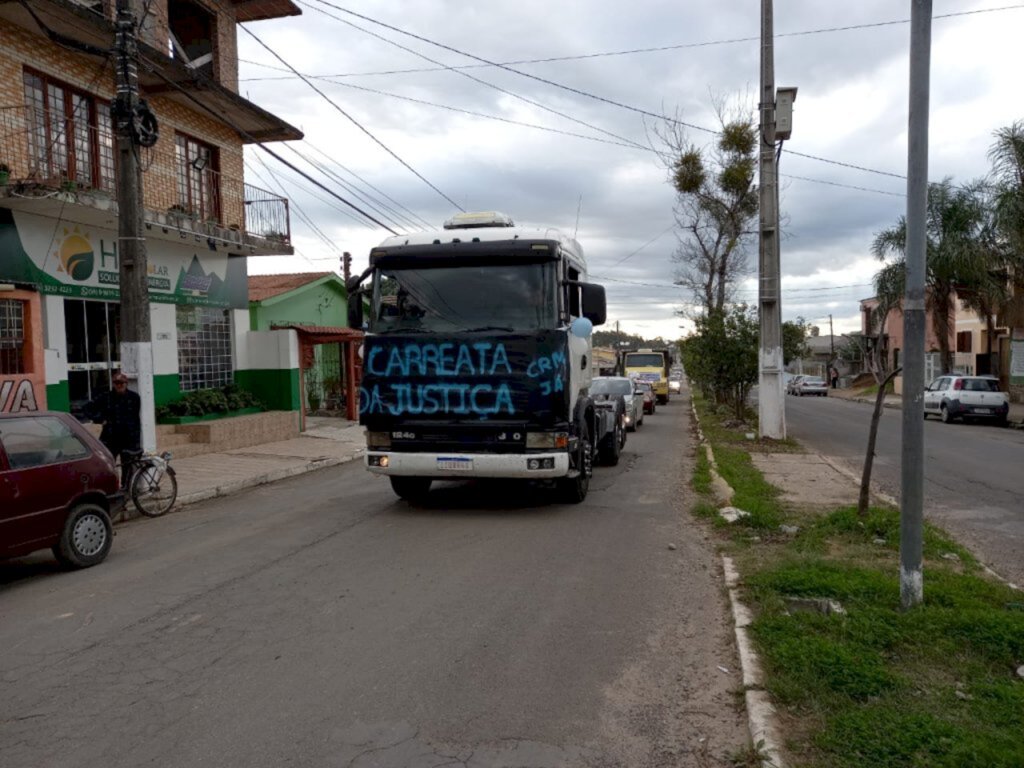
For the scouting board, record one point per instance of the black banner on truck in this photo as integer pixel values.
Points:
(465, 377)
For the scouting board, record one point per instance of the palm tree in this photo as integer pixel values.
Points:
(956, 256)
(1007, 156)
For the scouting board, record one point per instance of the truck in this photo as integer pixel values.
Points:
(477, 357)
(650, 365)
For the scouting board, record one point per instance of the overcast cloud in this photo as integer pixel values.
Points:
(851, 108)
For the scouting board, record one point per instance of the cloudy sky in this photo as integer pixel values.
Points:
(485, 138)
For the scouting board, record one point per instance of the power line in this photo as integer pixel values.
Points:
(653, 239)
(417, 221)
(488, 117)
(397, 220)
(349, 117)
(631, 51)
(844, 186)
(156, 70)
(475, 79)
(579, 91)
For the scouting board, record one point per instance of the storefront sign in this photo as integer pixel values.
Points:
(18, 395)
(80, 261)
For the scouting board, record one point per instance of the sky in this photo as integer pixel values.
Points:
(414, 129)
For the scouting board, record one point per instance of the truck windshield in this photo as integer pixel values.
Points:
(645, 361)
(510, 297)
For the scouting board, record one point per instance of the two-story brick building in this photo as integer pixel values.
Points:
(59, 309)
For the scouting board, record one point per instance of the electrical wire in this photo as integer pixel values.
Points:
(475, 79)
(349, 117)
(631, 51)
(580, 92)
(330, 204)
(396, 221)
(488, 117)
(156, 70)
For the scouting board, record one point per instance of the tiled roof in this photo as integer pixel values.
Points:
(262, 287)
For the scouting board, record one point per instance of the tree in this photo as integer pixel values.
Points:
(794, 339)
(716, 204)
(956, 253)
(1007, 156)
(721, 356)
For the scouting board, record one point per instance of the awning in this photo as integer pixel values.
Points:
(320, 334)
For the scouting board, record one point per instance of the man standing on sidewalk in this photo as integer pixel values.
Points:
(119, 412)
(833, 376)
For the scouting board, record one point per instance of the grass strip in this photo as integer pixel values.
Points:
(874, 687)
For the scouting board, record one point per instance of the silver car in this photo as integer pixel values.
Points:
(606, 389)
(812, 385)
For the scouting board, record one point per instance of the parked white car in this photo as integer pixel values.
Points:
(811, 385)
(966, 397)
(792, 381)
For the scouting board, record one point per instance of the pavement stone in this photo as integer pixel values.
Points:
(220, 474)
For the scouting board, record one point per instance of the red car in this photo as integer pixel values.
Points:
(650, 399)
(58, 488)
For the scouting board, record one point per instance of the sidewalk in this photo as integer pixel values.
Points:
(326, 443)
(1016, 415)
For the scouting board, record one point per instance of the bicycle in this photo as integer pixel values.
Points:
(152, 485)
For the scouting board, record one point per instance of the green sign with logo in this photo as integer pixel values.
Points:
(79, 261)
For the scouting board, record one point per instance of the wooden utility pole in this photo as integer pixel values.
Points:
(771, 403)
(912, 462)
(136, 347)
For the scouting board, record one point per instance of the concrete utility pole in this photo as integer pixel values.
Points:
(912, 465)
(136, 347)
(771, 401)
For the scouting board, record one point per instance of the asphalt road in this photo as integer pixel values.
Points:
(321, 622)
(974, 473)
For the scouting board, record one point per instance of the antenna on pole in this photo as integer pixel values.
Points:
(579, 206)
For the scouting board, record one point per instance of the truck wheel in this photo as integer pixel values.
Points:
(662, 399)
(412, 489)
(573, 490)
(611, 446)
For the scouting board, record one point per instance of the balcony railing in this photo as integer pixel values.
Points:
(43, 155)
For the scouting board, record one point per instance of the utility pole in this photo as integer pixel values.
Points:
(831, 338)
(136, 347)
(771, 402)
(912, 463)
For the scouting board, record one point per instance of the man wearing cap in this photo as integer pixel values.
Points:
(119, 411)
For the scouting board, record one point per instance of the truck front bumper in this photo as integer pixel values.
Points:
(439, 465)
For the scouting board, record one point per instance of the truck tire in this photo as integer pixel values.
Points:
(573, 490)
(611, 446)
(412, 489)
(662, 399)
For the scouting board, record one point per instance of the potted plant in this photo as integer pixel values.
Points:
(5, 173)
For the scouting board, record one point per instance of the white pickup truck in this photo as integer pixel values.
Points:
(966, 397)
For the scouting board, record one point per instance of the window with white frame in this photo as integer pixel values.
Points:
(12, 336)
(204, 348)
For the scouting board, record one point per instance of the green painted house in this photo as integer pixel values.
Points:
(305, 300)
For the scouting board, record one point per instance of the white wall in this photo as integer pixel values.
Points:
(55, 352)
(269, 350)
(163, 319)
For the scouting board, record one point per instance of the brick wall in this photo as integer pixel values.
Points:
(19, 49)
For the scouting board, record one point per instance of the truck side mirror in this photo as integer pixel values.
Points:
(355, 309)
(595, 308)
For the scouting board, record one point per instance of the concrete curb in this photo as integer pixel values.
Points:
(761, 719)
(722, 490)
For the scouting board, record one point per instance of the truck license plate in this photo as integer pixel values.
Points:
(454, 462)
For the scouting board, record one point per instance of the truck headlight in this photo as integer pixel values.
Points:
(378, 441)
(548, 440)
